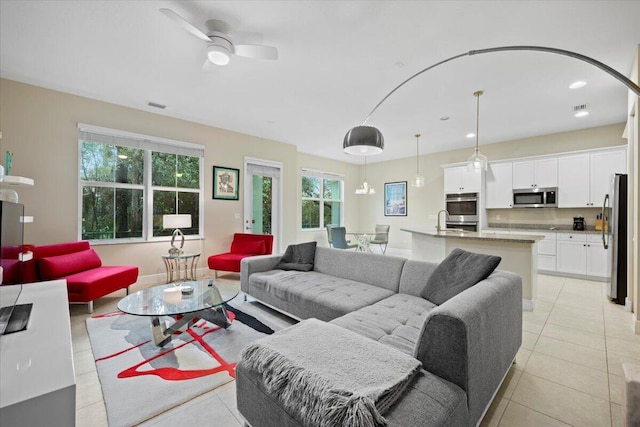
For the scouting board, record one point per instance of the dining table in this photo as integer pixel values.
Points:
(364, 239)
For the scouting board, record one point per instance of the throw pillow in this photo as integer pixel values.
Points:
(255, 247)
(459, 271)
(298, 257)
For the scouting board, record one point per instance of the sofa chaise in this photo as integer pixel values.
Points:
(243, 245)
(466, 344)
(81, 266)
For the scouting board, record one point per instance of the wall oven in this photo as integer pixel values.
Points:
(463, 211)
(535, 198)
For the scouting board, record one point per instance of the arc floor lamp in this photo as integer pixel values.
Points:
(366, 140)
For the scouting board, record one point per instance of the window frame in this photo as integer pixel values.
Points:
(321, 175)
(146, 143)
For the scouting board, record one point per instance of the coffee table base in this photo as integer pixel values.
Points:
(162, 334)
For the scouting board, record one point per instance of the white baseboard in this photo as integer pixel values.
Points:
(528, 305)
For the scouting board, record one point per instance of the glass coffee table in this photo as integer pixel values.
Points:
(205, 300)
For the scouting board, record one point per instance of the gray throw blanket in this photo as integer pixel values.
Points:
(326, 375)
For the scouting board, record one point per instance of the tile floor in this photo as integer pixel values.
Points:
(568, 371)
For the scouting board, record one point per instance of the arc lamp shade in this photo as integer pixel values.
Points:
(363, 141)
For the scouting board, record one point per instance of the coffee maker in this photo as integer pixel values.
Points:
(578, 223)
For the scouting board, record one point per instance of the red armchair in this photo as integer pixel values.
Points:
(87, 279)
(243, 245)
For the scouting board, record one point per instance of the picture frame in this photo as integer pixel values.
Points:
(225, 183)
(395, 198)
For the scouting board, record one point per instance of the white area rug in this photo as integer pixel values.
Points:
(140, 380)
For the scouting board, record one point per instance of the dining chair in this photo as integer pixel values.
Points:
(329, 238)
(338, 235)
(382, 236)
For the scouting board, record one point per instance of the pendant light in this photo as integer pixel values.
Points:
(418, 180)
(365, 188)
(477, 161)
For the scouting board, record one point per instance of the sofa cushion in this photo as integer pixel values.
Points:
(226, 262)
(92, 284)
(313, 294)
(396, 321)
(458, 271)
(63, 265)
(254, 247)
(298, 257)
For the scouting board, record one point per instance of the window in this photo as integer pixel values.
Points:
(321, 199)
(129, 181)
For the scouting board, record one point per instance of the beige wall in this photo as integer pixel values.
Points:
(424, 203)
(40, 127)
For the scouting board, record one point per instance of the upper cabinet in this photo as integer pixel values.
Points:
(539, 173)
(583, 179)
(458, 179)
(499, 187)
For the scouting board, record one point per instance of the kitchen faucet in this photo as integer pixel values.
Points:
(438, 227)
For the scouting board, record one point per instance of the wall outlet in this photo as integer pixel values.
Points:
(432, 216)
(236, 216)
(498, 216)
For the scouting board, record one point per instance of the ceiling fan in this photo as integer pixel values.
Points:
(220, 46)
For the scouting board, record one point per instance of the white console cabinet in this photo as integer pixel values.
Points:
(37, 379)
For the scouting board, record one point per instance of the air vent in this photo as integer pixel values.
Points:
(156, 105)
(581, 107)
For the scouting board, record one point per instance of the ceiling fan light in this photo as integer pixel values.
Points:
(363, 141)
(218, 55)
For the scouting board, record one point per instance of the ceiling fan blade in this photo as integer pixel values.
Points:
(185, 24)
(208, 66)
(256, 51)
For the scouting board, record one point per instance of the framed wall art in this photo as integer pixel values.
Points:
(395, 198)
(225, 183)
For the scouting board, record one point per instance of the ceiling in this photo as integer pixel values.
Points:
(337, 60)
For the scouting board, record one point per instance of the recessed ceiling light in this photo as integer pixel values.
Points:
(582, 114)
(445, 118)
(578, 84)
(471, 135)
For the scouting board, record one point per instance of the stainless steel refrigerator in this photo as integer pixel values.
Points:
(614, 208)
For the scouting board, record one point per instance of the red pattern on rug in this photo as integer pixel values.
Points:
(174, 374)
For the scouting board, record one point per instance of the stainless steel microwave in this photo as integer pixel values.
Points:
(535, 198)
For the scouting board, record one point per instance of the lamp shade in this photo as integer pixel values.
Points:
(176, 221)
(363, 141)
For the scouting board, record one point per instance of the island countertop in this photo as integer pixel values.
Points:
(473, 235)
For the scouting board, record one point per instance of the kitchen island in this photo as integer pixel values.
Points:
(518, 252)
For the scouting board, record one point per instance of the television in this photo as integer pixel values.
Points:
(11, 242)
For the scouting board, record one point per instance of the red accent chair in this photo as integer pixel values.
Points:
(87, 279)
(243, 245)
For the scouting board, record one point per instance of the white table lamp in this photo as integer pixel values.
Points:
(176, 221)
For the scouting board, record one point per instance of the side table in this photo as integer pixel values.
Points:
(181, 267)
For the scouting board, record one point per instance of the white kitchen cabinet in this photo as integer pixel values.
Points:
(573, 181)
(458, 179)
(583, 179)
(538, 173)
(571, 253)
(546, 248)
(602, 166)
(499, 185)
(596, 257)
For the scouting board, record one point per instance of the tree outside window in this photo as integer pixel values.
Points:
(113, 190)
(321, 201)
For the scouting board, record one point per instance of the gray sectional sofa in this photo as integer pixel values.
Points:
(466, 344)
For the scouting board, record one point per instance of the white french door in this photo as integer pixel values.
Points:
(262, 199)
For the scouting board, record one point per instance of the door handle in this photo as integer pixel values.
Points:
(604, 205)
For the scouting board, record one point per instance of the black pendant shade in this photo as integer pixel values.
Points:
(363, 141)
